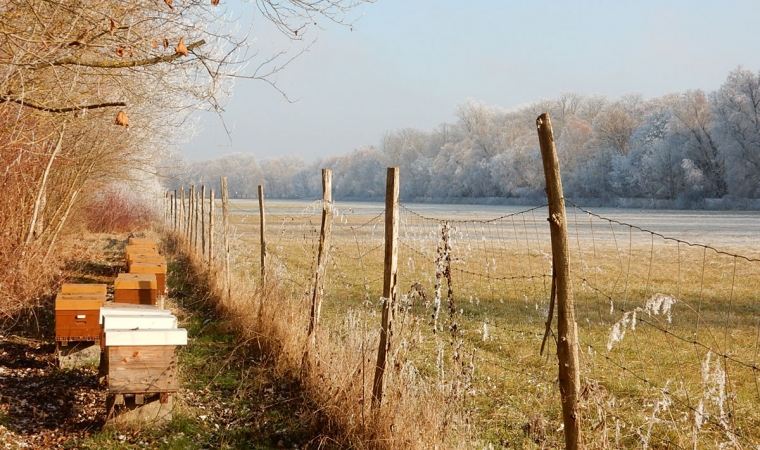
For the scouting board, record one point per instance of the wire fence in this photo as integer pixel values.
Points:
(669, 329)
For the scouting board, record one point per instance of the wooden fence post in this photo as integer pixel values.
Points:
(211, 200)
(197, 220)
(190, 214)
(567, 333)
(263, 236)
(389, 282)
(171, 211)
(324, 245)
(182, 211)
(173, 214)
(203, 219)
(226, 225)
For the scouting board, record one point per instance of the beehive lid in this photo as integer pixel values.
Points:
(146, 257)
(136, 281)
(127, 309)
(131, 249)
(139, 266)
(71, 288)
(75, 302)
(142, 241)
(139, 322)
(175, 336)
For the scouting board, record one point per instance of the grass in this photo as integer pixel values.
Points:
(646, 389)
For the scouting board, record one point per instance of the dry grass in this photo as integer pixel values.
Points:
(486, 381)
(337, 372)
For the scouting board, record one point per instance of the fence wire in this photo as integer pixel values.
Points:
(669, 329)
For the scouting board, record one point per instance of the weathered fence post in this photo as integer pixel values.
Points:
(567, 333)
(226, 225)
(182, 211)
(324, 243)
(173, 214)
(171, 211)
(166, 207)
(203, 219)
(263, 236)
(211, 200)
(389, 282)
(190, 214)
(197, 213)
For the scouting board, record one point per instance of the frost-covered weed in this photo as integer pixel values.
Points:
(659, 304)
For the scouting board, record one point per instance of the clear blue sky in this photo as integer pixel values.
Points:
(408, 63)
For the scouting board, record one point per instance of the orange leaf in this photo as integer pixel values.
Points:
(180, 48)
(154, 43)
(122, 119)
(113, 27)
(215, 2)
(121, 51)
(166, 43)
(169, 4)
(131, 52)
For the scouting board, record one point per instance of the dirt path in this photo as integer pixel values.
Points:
(230, 398)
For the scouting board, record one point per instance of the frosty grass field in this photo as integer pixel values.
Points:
(654, 315)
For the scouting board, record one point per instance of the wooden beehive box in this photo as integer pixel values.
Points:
(124, 309)
(145, 242)
(77, 317)
(71, 288)
(144, 258)
(142, 361)
(141, 369)
(157, 268)
(135, 288)
(139, 322)
(130, 250)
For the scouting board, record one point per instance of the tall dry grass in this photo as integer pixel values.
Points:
(336, 374)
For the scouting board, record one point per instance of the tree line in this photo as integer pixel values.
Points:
(679, 149)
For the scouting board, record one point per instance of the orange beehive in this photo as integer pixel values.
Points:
(135, 288)
(144, 258)
(142, 241)
(157, 268)
(84, 289)
(76, 316)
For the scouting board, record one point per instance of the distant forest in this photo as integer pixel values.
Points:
(690, 149)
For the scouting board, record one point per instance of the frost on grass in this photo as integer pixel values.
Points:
(715, 398)
(658, 305)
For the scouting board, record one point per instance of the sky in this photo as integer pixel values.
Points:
(408, 63)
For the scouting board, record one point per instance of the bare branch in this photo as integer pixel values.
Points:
(31, 104)
(117, 64)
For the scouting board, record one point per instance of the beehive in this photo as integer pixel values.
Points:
(144, 258)
(135, 288)
(157, 268)
(77, 317)
(84, 289)
(141, 369)
(146, 242)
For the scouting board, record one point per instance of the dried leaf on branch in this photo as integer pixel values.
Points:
(113, 27)
(181, 48)
(215, 2)
(121, 51)
(166, 43)
(122, 119)
(154, 44)
(169, 4)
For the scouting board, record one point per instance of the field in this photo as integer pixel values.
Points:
(668, 319)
